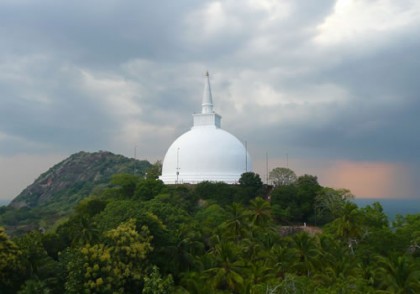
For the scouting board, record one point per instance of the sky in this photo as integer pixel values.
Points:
(327, 88)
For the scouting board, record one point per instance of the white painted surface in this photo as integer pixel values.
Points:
(206, 152)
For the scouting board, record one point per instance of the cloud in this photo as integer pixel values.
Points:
(331, 80)
(45, 105)
(354, 22)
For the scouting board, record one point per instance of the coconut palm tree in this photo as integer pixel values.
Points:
(308, 252)
(260, 212)
(398, 274)
(347, 227)
(284, 259)
(227, 264)
(237, 225)
(337, 265)
(84, 230)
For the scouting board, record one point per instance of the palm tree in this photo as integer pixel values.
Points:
(237, 225)
(185, 249)
(398, 274)
(260, 212)
(195, 283)
(308, 252)
(347, 226)
(226, 266)
(284, 259)
(259, 272)
(337, 265)
(84, 230)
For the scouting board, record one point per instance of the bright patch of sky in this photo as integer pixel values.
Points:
(355, 21)
(333, 84)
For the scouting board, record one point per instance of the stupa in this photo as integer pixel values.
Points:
(206, 152)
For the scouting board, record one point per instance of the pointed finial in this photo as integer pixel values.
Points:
(207, 105)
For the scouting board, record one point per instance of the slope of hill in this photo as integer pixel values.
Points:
(56, 191)
(75, 177)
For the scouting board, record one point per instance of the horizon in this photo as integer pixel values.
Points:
(391, 206)
(262, 176)
(328, 89)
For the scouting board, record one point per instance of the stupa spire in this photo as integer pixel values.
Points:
(207, 105)
(207, 117)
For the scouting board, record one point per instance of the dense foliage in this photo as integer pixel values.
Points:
(141, 236)
(54, 193)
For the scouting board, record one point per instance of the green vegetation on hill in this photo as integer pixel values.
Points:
(138, 235)
(55, 192)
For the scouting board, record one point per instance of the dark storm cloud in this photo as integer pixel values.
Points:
(53, 118)
(343, 101)
(381, 119)
(95, 32)
(298, 77)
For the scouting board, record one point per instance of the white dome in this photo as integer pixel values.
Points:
(205, 153)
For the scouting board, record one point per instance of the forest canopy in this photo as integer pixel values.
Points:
(139, 235)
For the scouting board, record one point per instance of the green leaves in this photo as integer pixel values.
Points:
(10, 262)
(116, 265)
(398, 274)
(281, 176)
(329, 203)
(140, 236)
(155, 284)
(296, 202)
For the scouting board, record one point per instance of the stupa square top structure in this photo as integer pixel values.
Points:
(206, 152)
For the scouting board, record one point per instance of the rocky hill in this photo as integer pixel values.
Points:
(75, 177)
(58, 190)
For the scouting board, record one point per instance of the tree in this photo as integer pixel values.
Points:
(307, 189)
(337, 264)
(220, 192)
(398, 274)
(281, 176)
(251, 180)
(226, 265)
(154, 171)
(373, 216)
(296, 202)
(34, 286)
(155, 284)
(250, 186)
(148, 188)
(90, 206)
(10, 264)
(329, 203)
(210, 217)
(284, 203)
(347, 226)
(171, 215)
(115, 266)
(182, 196)
(237, 225)
(260, 212)
(408, 234)
(307, 251)
(186, 247)
(84, 230)
(126, 183)
(33, 252)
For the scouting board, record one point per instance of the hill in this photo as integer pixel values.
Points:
(218, 238)
(55, 192)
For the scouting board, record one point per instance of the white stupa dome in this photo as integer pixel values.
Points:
(206, 152)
